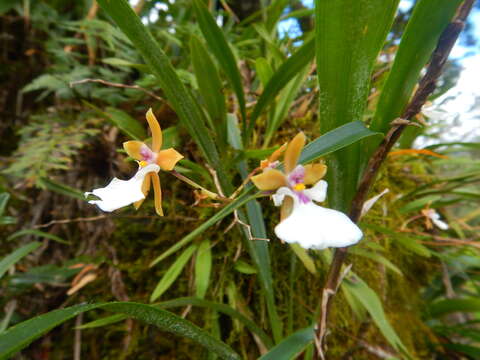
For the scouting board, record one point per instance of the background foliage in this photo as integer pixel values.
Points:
(227, 83)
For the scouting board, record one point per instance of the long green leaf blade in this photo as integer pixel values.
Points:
(172, 273)
(291, 346)
(285, 73)
(349, 37)
(421, 35)
(21, 335)
(369, 299)
(219, 46)
(15, 256)
(210, 86)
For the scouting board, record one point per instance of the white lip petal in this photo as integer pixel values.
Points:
(119, 193)
(315, 227)
(280, 195)
(317, 192)
(435, 217)
(440, 224)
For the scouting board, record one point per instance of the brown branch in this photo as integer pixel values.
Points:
(426, 87)
(123, 86)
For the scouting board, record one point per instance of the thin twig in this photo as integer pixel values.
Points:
(425, 88)
(118, 85)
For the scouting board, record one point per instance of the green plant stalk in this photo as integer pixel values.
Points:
(349, 36)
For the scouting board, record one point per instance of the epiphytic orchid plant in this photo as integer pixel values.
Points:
(301, 220)
(119, 193)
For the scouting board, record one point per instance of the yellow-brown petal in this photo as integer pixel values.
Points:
(145, 189)
(133, 149)
(270, 179)
(167, 159)
(293, 152)
(287, 208)
(157, 191)
(156, 131)
(277, 153)
(314, 172)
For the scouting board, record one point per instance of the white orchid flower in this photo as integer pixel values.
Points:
(119, 193)
(434, 217)
(302, 221)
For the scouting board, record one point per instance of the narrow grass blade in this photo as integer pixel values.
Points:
(172, 273)
(285, 73)
(448, 306)
(227, 210)
(369, 299)
(258, 250)
(16, 255)
(210, 86)
(218, 44)
(349, 37)
(421, 35)
(38, 233)
(203, 267)
(288, 348)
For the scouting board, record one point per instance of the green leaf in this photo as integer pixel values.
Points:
(285, 73)
(227, 210)
(180, 302)
(107, 320)
(4, 197)
(284, 104)
(125, 63)
(304, 258)
(369, 299)
(128, 125)
(21, 335)
(258, 251)
(39, 233)
(244, 267)
(223, 308)
(291, 346)
(203, 266)
(264, 70)
(60, 188)
(409, 242)
(173, 272)
(349, 37)
(335, 140)
(472, 351)
(421, 35)
(448, 306)
(378, 258)
(210, 86)
(15, 256)
(218, 44)
(180, 98)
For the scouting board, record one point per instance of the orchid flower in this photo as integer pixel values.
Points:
(431, 216)
(119, 193)
(303, 221)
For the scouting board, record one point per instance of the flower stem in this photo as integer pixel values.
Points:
(192, 183)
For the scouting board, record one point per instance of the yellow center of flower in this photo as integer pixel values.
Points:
(142, 163)
(299, 187)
